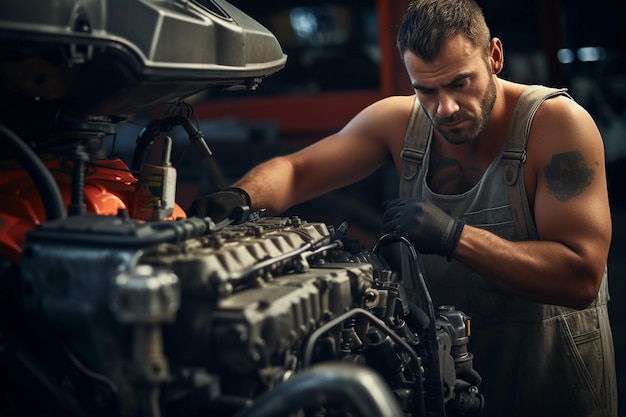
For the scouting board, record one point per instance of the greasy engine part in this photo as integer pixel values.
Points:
(190, 318)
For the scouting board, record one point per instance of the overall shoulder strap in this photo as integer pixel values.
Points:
(514, 155)
(415, 141)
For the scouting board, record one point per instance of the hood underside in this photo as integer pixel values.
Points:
(114, 57)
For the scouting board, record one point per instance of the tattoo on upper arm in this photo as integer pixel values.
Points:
(567, 175)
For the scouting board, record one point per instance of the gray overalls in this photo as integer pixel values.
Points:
(535, 359)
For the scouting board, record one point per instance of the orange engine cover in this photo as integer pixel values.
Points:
(109, 186)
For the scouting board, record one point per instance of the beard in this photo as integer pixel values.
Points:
(467, 134)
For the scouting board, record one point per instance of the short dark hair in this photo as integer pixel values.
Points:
(427, 24)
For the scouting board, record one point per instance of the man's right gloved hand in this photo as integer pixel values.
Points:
(220, 205)
(426, 226)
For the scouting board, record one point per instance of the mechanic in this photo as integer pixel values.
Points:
(503, 193)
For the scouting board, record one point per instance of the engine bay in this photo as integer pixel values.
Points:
(188, 317)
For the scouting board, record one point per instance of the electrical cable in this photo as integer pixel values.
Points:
(432, 339)
(51, 198)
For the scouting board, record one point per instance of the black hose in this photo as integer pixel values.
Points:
(143, 142)
(335, 382)
(435, 369)
(418, 271)
(44, 181)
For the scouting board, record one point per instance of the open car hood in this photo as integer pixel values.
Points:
(114, 57)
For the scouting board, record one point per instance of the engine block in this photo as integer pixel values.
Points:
(188, 317)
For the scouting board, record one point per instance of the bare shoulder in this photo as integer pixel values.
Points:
(388, 110)
(562, 126)
(395, 102)
(384, 122)
(560, 121)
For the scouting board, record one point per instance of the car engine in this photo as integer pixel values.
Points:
(189, 318)
(114, 302)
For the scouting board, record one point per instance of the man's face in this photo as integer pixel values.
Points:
(456, 89)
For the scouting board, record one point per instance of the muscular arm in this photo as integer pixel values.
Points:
(567, 185)
(356, 151)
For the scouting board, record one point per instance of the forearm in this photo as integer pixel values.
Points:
(270, 185)
(543, 271)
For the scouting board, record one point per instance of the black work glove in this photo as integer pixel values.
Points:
(222, 205)
(426, 226)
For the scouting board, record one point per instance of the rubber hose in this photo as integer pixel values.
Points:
(39, 173)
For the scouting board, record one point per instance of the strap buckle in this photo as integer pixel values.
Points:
(412, 155)
(515, 155)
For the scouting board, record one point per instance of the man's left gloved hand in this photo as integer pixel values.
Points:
(222, 205)
(426, 226)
